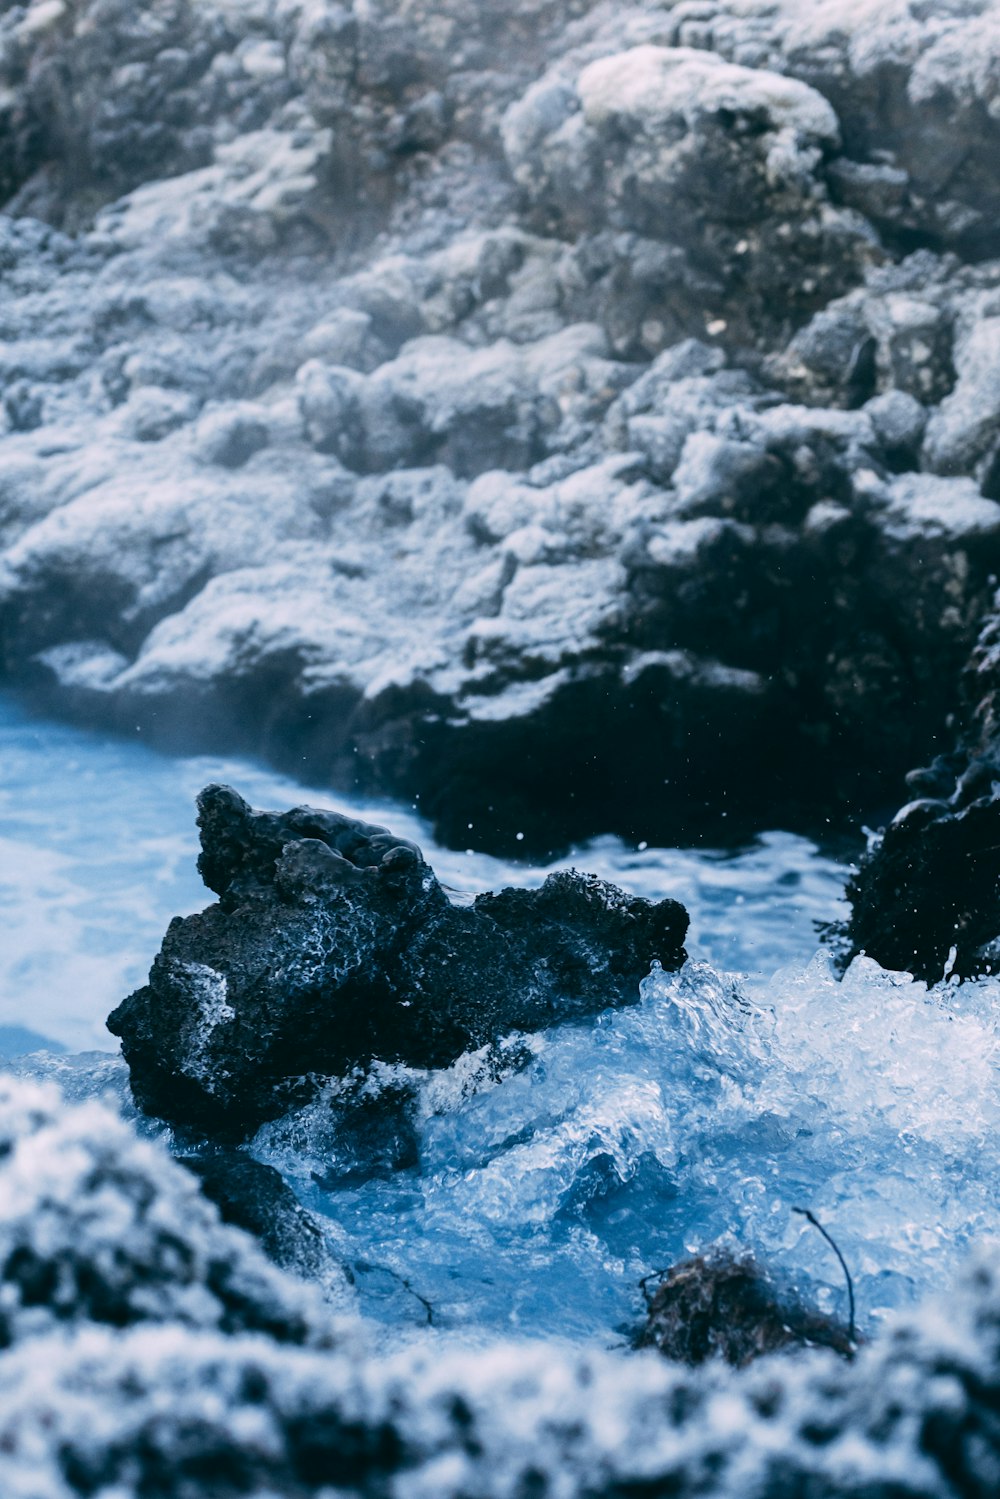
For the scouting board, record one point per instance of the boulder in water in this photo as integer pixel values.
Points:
(333, 943)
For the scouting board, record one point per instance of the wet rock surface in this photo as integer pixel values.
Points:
(721, 1306)
(255, 1197)
(333, 944)
(511, 407)
(926, 896)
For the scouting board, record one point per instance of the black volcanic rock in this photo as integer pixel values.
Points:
(926, 897)
(333, 943)
(720, 1306)
(255, 1197)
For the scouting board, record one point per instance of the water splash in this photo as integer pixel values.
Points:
(547, 1180)
(531, 1186)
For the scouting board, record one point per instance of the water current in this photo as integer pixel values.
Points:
(542, 1181)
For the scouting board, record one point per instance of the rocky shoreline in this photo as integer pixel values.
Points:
(573, 418)
(511, 412)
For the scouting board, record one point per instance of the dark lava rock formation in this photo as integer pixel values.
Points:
(332, 943)
(926, 897)
(718, 1306)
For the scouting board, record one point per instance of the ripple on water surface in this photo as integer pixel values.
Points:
(545, 1179)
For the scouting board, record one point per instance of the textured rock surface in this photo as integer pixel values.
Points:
(255, 1197)
(175, 1398)
(100, 1227)
(724, 1307)
(333, 944)
(352, 415)
(926, 897)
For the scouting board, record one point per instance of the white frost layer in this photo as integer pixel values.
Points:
(97, 1225)
(116, 1412)
(654, 83)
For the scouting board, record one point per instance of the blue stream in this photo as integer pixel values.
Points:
(552, 1177)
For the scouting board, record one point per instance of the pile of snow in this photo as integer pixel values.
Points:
(149, 1350)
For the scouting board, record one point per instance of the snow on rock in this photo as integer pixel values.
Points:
(721, 161)
(386, 389)
(98, 1226)
(913, 86)
(505, 406)
(965, 429)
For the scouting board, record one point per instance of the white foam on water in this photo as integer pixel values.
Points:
(551, 1176)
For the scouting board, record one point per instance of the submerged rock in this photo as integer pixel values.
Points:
(719, 1306)
(333, 944)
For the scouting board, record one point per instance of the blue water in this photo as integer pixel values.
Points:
(98, 846)
(551, 1175)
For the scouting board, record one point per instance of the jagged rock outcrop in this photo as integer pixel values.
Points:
(352, 413)
(333, 944)
(926, 895)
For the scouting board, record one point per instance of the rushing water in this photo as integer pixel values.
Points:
(543, 1180)
(98, 846)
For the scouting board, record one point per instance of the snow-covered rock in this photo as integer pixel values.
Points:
(722, 162)
(100, 1227)
(457, 400)
(130, 1374)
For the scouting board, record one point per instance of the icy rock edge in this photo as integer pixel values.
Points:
(148, 1349)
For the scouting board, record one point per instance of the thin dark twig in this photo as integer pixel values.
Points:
(811, 1217)
(428, 1308)
(653, 1275)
